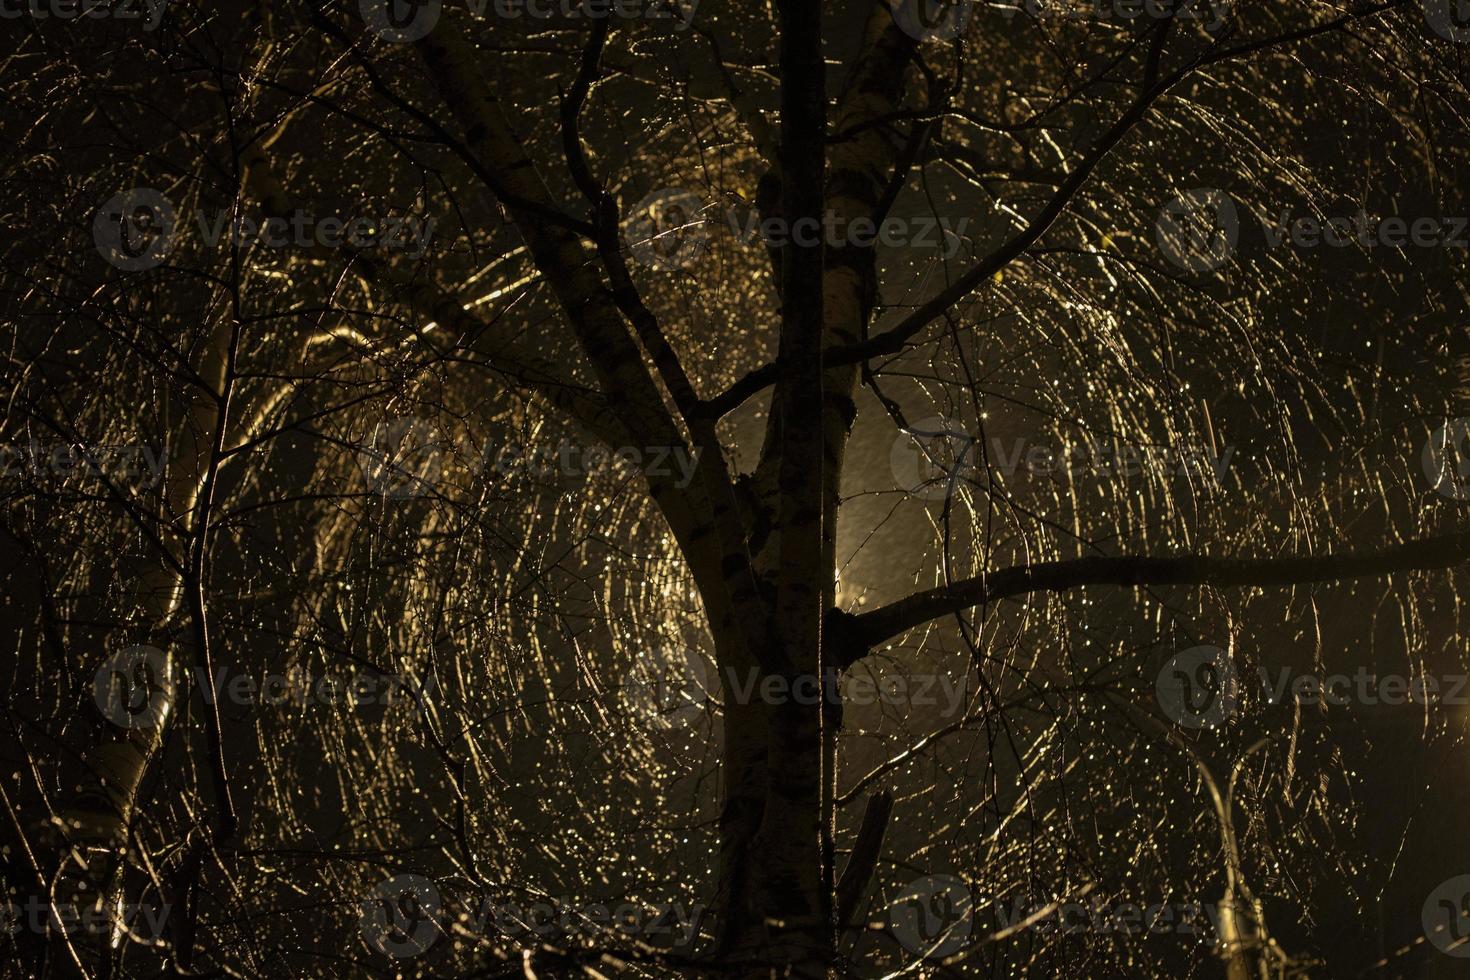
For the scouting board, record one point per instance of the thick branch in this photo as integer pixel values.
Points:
(871, 628)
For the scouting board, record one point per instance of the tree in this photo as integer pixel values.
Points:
(960, 444)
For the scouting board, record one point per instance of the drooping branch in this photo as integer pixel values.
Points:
(868, 629)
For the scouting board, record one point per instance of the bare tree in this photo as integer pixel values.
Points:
(813, 479)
